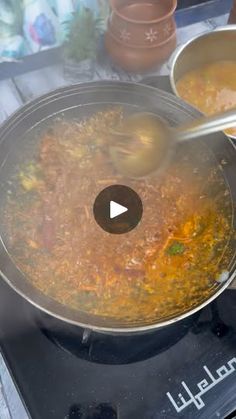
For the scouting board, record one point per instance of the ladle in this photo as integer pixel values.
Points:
(144, 142)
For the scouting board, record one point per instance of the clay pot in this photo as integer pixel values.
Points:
(141, 33)
(232, 16)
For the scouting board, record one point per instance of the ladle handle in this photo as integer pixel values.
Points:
(207, 125)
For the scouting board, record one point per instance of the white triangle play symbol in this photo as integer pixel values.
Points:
(116, 209)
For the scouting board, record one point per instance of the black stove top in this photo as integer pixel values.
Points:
(187, 370)
(192, 375)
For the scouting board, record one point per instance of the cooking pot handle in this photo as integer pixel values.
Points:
(232, 286)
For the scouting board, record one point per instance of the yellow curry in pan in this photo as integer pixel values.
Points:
(210, 88)
(169, 264)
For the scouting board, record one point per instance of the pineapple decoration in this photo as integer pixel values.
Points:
(81, 45)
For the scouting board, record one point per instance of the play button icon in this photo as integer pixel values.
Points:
(118, 209)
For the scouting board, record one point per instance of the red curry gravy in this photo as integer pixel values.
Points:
(211, 88)
(168, 264)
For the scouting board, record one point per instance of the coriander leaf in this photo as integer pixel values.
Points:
(176, 248)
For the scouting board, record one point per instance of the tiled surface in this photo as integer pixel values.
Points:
(13, 93)
(9, 98)
(39, 82)
(11, 406)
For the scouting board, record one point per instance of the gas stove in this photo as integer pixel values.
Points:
(186, 370)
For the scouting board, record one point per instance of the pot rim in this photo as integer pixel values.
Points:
(142, 47)
(127, 19)
(117, 330)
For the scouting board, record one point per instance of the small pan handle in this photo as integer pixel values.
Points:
(207, 125)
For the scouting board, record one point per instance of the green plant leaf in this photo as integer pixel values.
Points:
(176, 248)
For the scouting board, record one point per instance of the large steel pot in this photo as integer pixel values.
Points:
(86, 99)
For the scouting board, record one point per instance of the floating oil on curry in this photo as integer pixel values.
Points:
(211, 88)
(169, 264)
